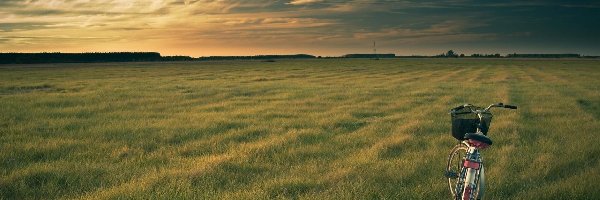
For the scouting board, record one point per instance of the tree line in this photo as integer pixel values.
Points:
(94, 57)
(452, 54)
(56, 57)
(258, 57)
(383, 55)
(33, 58)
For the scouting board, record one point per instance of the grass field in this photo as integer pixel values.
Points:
(308, 129)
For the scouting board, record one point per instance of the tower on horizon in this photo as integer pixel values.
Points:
(375, 57)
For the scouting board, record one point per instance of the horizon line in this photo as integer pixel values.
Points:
(340, 55)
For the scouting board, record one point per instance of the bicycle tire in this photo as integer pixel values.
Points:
(454, 168)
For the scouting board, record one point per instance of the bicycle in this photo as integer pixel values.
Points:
(465, 171)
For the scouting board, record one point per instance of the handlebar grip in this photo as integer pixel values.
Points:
(510, 106)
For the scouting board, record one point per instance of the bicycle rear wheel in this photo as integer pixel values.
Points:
(454, 168)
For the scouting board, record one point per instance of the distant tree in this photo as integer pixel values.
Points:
(462, 55)
(451, 54)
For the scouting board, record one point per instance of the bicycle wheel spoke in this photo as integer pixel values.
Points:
(454, 171)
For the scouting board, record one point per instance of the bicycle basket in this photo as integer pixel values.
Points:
(464, 121)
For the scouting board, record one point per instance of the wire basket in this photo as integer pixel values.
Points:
(464, 121)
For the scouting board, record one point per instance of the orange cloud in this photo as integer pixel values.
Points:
(303, 2)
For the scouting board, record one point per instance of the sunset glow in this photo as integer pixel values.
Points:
(319, 27)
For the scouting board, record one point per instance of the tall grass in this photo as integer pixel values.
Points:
(310, 129)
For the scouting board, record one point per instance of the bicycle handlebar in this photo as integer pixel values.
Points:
(483, 125)
(496, 105)
(499, 105)
(510, 106)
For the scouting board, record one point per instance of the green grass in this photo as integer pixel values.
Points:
(306, 129)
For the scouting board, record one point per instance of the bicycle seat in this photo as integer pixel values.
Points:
(479, 137)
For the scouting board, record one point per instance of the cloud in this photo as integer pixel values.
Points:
(443, 32)
(202, 27)
(303, 2)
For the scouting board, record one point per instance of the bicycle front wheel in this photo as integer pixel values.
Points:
(454, 169)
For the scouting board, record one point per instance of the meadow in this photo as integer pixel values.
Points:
(293, 129)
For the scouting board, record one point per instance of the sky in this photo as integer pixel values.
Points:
(317, 27)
